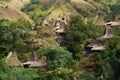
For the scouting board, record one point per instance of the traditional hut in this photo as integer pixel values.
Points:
(34, 62)
(59, 25)
(12, 60)
(107, 33)
(96, 45)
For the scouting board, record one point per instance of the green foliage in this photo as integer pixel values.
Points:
(115, 9)
(81, 11)
(35, 10)
(41, 51)
(19, 74)
(58, 58)
(7, 73)
(85, 64)
(3, 67)
(67, 0)
(110, 59)
(87, 76)
(114, 14)
(57, 74)
(13, 32)
(97, 0)
(3, 51)
(113, 47)
(77, 32)
(110, 70)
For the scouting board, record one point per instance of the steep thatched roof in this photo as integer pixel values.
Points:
(107, 33)
(96, 45)
(12, 60)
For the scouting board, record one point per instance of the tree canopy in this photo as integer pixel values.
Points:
(77, 32)
(13, 33)
(58, 58)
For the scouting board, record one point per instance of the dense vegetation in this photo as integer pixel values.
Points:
(12, 35)
(71, 61)
(62, 64)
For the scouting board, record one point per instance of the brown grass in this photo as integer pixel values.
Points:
(13, 14)
(82, 4)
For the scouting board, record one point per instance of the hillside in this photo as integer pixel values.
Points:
(49, 9)
(59, 39)
(18, 4)
(11, 10)
(82, 4)
(66, 10)
(53, 9)
(46, 1)
(13, 14)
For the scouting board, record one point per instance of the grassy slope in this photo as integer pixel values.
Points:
(17, 3)
(13, 12)
(82, 4)
(93, 8)
(108, 1)
(46, 1)
(64, 10)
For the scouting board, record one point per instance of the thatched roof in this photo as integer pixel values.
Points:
(60, 31)
(107, 33)
(59, 25)
(113, 23)
(12, 60)
(34, 62)
(96, 45)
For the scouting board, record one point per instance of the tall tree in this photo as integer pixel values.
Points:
(76, 33)
(13, 33)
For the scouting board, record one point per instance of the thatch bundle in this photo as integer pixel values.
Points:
(12, 60)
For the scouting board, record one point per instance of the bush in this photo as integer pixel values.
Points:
(57, 74)
(58, 57)
(7, 73)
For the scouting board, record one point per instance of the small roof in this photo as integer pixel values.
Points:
(96, 45)
(107, 33)
(98, 48)
(12, 60)
(60, 31)
(36, 63)
(113, 23)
